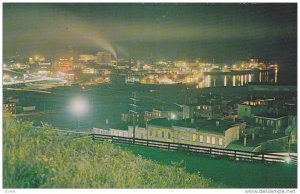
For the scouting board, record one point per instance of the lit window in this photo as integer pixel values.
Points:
(279, 123)
(208, 139)
(194, 137)
(213, 140)
(183, 136)
(201, 138)
(220, 141)
(268, 122)
(257, 120)
(272, 123)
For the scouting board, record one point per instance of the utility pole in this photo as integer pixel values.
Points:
(134, 113)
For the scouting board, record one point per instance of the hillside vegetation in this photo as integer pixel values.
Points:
(42, 158)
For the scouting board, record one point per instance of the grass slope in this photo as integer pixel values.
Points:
(42, 158)
(234, 174)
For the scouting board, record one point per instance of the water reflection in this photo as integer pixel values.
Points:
(238, 79)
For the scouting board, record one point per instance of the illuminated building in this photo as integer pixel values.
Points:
(44, 67)
(87, 58)
(212, 133)
(250, 108)
(202, 109)
(272, 122)
(30, 60)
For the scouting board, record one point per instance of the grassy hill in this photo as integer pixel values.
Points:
(43, 158)
(233, 174)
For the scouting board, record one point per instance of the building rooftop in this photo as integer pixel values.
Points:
(168, 108)
(120, 126)
(162, 122)
(199, 124)
(204, 103)
(271, 115)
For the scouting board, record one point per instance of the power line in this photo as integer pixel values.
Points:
(134, 113)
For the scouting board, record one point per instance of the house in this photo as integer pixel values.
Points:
(202, 109)
(249, 108)
(173, 112)
(120, 130)
(140, 132)
(211, 133)
(272, 122)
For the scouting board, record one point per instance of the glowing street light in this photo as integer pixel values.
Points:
(173, 116)
(288, 159)
(79, 106)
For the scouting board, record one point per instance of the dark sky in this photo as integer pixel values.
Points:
(223, 32)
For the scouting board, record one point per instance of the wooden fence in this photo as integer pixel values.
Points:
(209, 151)
(203, 150)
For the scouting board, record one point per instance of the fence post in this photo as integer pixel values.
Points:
(234, 154)
(147, 143)
(210, 152)
(263, 157)
(93, 137)
(168, 145)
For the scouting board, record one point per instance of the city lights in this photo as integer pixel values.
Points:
(150, 95)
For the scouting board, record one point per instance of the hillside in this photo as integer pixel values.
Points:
(43, 158)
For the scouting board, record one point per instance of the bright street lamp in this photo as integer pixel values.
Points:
(79, 106)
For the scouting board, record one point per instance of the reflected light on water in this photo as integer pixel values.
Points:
(276, 74)
(242, 80)
(260, 76)
(233, 80)
(237, 79)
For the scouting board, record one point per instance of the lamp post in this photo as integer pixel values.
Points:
(79, 106)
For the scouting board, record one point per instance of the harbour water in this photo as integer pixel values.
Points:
(108, 101)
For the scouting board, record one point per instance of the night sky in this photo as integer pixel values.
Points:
(221, 32)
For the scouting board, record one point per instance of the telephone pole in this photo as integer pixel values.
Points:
(134, 113)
